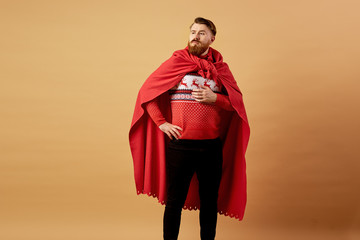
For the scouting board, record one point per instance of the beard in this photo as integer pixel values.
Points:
(197, 49)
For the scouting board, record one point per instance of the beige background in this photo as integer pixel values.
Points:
(70, 72)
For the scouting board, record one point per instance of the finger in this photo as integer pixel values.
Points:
(196, 98)
(173, 134)
(198, 94)
(176, 132)
(169, 135)
(205, 88)
(177, 127)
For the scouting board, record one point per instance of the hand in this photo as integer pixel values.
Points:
(204, 94)
(171, 130)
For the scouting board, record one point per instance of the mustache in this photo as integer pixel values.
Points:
(195, 41)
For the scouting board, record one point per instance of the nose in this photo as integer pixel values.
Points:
(197, 36)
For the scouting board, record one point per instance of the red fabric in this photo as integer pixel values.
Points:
(223, 102)
(198, 121)
(148, 142)
(153, 109)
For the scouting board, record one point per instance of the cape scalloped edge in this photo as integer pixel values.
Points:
(189, 208)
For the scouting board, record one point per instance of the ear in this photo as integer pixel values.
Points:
(212, 39)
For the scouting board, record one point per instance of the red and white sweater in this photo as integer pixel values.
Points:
(198, 120)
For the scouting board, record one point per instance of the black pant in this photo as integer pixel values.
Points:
(183, 159)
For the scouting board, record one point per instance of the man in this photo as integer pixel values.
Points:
(189, 135)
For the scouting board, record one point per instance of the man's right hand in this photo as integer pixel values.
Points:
(171, 130)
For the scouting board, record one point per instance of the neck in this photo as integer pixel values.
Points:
(206, 52)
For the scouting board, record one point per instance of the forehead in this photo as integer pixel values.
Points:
(199, 27)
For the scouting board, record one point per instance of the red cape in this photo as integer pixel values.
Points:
(148, 142)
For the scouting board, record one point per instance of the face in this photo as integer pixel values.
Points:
(200, 39)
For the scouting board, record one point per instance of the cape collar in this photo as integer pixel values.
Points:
(205, 64)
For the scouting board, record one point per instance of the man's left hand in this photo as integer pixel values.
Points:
(204, 94)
